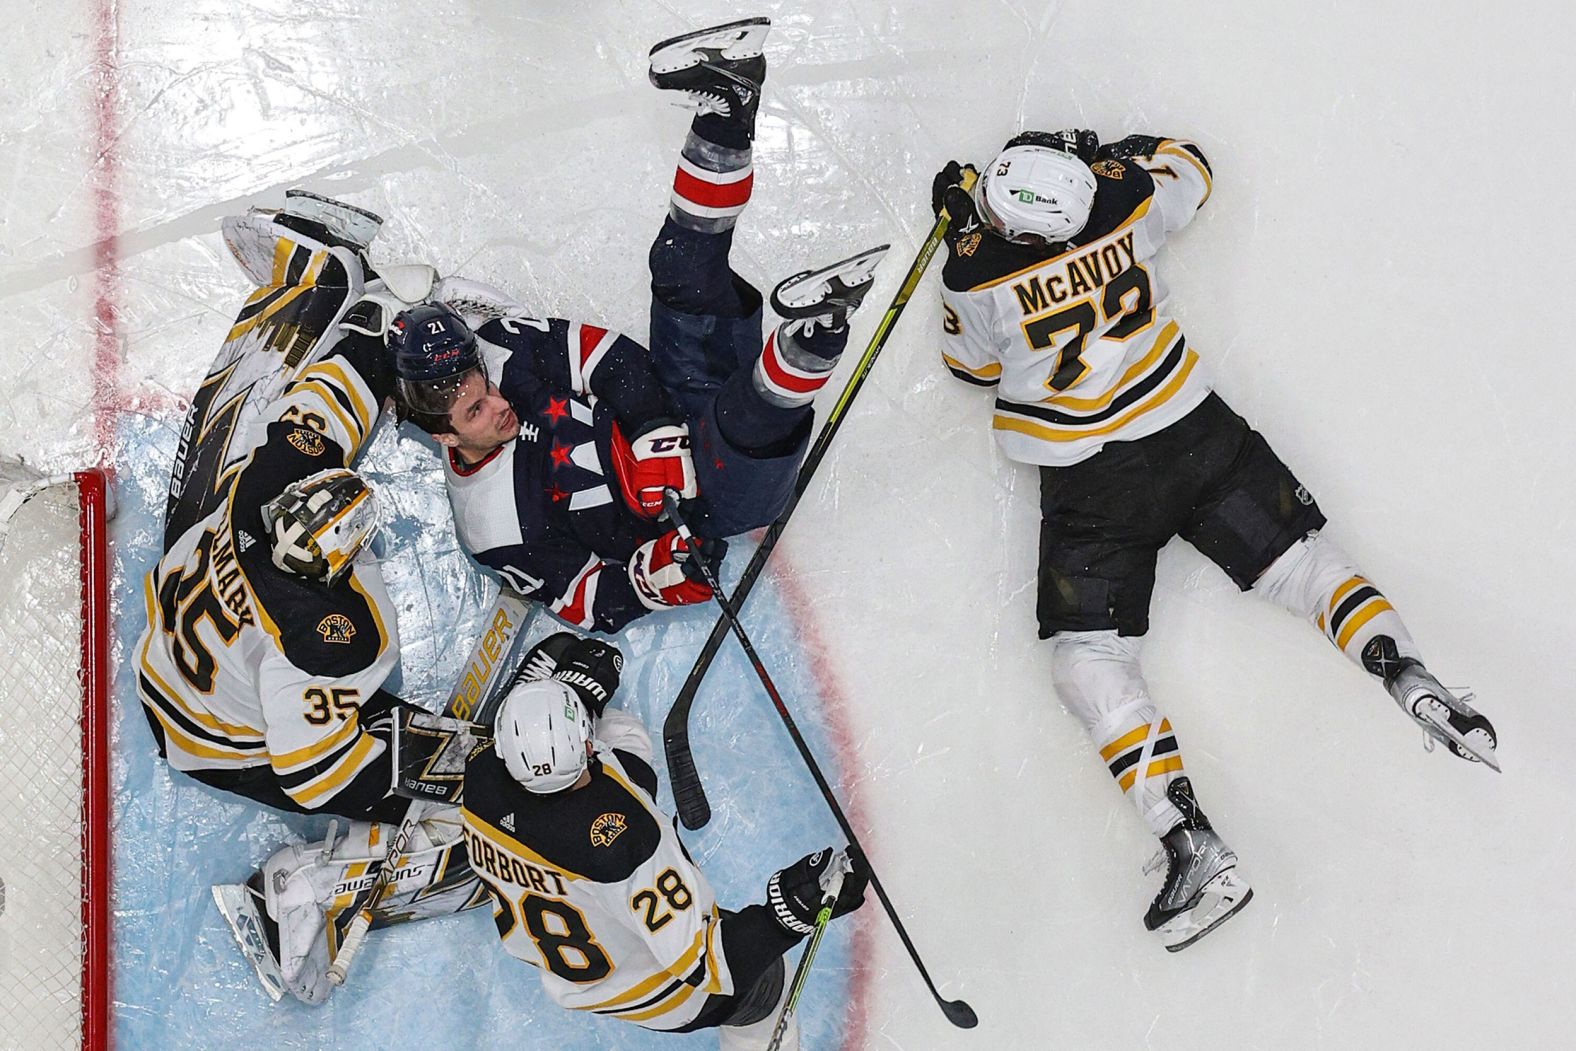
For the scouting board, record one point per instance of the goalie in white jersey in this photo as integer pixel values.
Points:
(592, 885)
(1051, 293)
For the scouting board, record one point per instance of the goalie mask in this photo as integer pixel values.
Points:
(541, 735)
(1035, 193)
(317, 526)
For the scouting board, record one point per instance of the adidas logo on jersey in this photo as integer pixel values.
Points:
(244, 540)
(507, 824)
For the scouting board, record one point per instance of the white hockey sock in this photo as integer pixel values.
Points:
(1316, 580)
(1097, 675)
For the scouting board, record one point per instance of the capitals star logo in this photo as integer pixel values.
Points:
(557, 409)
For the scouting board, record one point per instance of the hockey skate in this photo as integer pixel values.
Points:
(242, 906)
(1202, 889)
(720, 69)
(1445, 717)
(831, 293)
(344, 223)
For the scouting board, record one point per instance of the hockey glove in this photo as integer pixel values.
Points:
(947, 178)
(591, 668)
(1078, 142)
(794, 893)
(661, 576)
(657, 458)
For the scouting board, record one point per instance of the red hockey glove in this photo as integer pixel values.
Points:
(658, 572)
(658, 458)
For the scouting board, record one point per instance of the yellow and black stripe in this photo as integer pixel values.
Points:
(312, 774)
(984, 376)
(1148, 384)
(666, 991)
(1123, 755)
(1351, 607)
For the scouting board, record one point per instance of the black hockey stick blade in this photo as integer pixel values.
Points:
(689, 796)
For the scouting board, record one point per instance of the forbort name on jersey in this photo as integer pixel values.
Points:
(506, 868)
(1079, 275)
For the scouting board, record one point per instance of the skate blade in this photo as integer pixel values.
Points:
(239, 909)
(1435, 720)
(802, 294)
(745, 38)
(1222, 898)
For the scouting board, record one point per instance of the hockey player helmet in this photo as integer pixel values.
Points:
(433, 348)
(318, 525)
(1032, 194)
(541, 735)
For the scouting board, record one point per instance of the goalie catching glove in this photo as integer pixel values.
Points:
(655, 459)
(795, 893)
(664, 572)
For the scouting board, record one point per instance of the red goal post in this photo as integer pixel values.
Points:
(55, 850)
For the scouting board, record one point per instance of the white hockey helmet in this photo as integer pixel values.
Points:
(1034, 193)
(318, 525)
(541, 735)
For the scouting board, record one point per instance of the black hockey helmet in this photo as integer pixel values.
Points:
(432, 348)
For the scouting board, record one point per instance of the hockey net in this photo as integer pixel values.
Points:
(54, 760)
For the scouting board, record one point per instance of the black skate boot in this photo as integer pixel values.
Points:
(255, 932)
(1202, 888)
(721, 69)
(1443, 716)
(831, 293)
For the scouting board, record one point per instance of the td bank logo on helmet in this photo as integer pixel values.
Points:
(1030, 197)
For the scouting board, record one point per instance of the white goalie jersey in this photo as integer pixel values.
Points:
(243, 665)
(1079, 343)
(593, 887)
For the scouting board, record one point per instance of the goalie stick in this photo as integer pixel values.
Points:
(689, 797)
(475, 699)
(958, 1012)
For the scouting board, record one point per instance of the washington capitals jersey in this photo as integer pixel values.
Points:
(244, 665)
(546, 510)
(592, 885)
(1076, 337)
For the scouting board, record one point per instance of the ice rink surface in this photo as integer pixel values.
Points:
(1376, 284)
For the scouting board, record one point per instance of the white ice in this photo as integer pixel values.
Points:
(1376, 284)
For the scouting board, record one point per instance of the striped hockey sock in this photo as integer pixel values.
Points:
(711, 186)
(1356, 613)
(1140, 750)
(797, 361)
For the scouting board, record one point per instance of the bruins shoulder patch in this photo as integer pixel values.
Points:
(1110, 168)
(336, 627)
(606, 828)
(307, 442)
(968, 244)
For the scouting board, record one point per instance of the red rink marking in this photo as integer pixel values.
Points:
(838, 729)
(107, 403)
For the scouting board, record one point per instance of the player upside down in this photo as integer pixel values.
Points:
(1051, 294)
(560, 437)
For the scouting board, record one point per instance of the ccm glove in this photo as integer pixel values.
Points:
(656, 459)
(663, 575)
(794, 894)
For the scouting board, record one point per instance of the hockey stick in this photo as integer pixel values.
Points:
(829, 893)
(958, 1013)
(688, 795)
(473, 699)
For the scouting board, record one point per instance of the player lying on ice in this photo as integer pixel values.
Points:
(1051, 293)
(270, 631)
(592, 886)
(560, 437)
